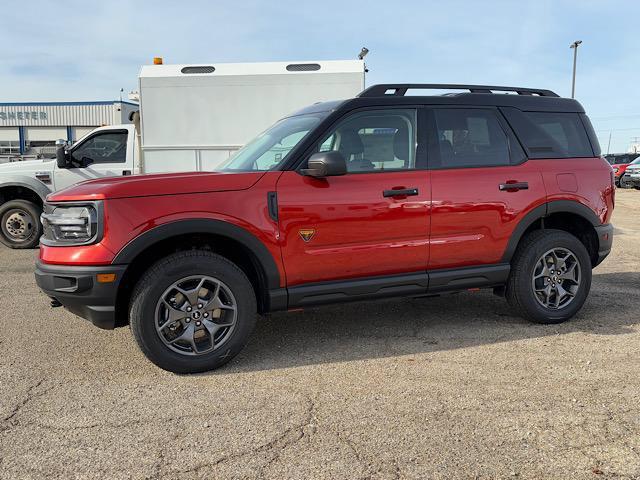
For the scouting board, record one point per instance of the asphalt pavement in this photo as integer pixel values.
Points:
(447, 387)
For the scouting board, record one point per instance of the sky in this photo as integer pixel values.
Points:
(68, 50)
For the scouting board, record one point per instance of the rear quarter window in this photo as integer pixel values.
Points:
(552, 134)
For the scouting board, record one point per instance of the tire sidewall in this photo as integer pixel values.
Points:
(162, 276)
(557, 240)
(33, 211)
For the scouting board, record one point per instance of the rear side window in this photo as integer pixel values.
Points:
(470, 138)
(551, 134)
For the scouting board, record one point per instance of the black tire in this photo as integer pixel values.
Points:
(161, 276)
(520, 293)
(637, 188)
(20, 225)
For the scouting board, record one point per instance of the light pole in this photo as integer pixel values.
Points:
(574, 45)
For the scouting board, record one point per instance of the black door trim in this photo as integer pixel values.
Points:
(468, 277)
(361, 289)
(412, 284)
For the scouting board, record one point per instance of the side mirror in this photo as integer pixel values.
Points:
(325, 164)
(63, 159)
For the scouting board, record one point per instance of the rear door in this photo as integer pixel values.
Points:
(481, 184)
(373, 221)
(104, 153)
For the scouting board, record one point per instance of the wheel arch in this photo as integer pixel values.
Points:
(563, 215)
(231, 241)
(23, 189)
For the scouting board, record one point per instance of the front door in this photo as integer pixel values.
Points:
(106, 153)
(373, 221)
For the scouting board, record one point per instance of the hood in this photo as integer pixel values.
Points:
(158, 184)
(28, 166)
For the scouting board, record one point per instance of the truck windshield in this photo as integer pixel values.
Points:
(268, 150)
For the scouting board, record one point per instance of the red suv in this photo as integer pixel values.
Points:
(382, 195)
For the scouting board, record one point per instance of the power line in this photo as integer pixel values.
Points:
(617, 129)
(632, 115)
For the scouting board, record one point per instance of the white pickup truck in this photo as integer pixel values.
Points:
(191, 118)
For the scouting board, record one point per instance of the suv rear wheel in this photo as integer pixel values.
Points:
(550, 277)
(20, 224)
(192, 312)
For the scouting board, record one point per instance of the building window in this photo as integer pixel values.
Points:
(41, 148)
(9, 147)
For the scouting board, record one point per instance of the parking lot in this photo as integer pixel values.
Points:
(448, 387)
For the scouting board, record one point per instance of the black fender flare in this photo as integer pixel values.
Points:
(542, 211)
(199, 226)
(31, 184)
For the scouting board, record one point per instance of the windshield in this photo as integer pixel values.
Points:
(268, 150)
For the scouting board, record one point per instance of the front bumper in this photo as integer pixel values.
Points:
(77, 289)
(605, 241)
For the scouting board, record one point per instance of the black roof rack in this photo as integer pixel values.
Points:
(400, 89)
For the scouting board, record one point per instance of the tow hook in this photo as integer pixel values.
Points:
(55, 303)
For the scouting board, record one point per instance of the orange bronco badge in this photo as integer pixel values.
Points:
(307, 234)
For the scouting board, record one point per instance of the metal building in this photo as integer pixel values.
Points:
(30, 130)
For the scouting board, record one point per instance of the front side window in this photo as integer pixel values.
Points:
(268, 150)
(375, 140)
(108, 147)
(470, 138)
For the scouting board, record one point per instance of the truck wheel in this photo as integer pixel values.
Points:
(192, 311)
(550, 277)
(20, 224)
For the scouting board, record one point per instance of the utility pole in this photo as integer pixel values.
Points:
(609, 144)
(574, 45)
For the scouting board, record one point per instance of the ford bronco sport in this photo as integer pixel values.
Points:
(381, 195)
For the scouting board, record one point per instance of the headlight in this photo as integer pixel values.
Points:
(615, 170)
(71, 224)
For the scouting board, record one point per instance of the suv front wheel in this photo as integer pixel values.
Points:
(192, 311)
(550, 276)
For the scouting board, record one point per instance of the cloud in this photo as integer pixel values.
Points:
(88, 50)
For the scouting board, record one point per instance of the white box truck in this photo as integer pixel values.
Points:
(191, 118)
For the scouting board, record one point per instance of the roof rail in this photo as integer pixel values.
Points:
(400, 89)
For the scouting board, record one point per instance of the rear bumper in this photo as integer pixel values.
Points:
(78, 290)
(605, 240)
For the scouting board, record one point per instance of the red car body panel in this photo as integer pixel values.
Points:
(583, 180)
(128, 218)
(472, 219)
(155, 185)
(357, 231)
(460, 217)
(621, 168)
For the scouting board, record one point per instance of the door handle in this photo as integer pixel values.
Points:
(126, 172)
(514, 186)
(405, 192)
